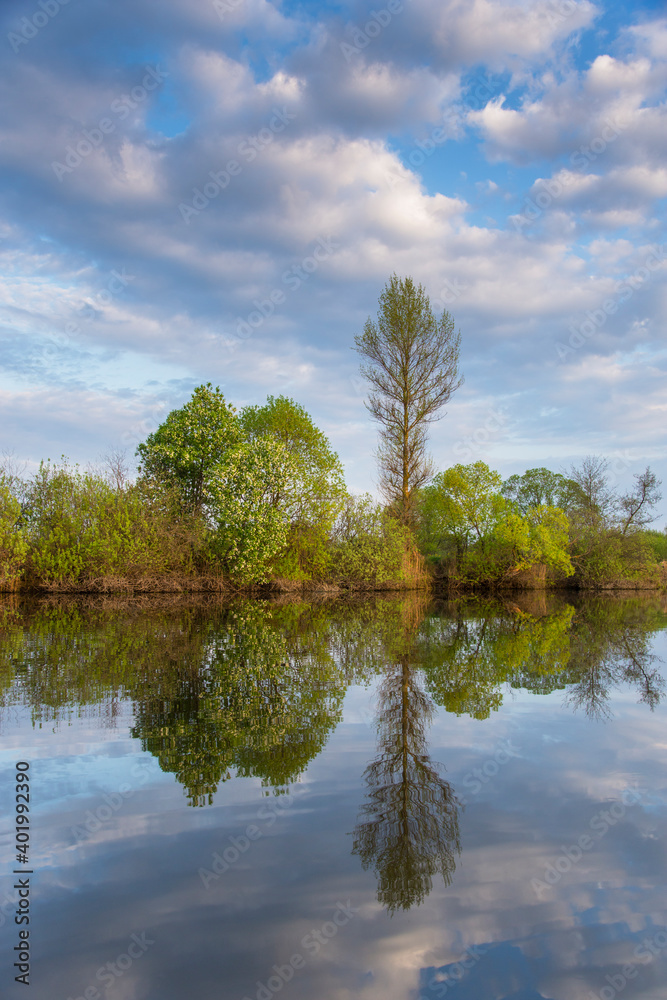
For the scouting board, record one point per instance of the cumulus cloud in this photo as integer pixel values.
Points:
(244, 159)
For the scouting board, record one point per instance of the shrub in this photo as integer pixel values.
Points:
(13, 546)
(368, 545)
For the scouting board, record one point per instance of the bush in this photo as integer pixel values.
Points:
(657, 541)
(13, 546)
(608, 557)
(79, 527)
(368, 545)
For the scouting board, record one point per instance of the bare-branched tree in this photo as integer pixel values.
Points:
(637, 507)
(116, 468)
(411, 364)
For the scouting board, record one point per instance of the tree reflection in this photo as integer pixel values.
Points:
(611, 646)
(255, 688)
(408, 829)
(258, 704)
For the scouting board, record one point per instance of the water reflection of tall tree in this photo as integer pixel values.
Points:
(408, 829)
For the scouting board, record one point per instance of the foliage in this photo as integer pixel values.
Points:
(13, 545)
(314, 494)
(607, 557)
(411, 365)
(538, 488)
(540, 537)
(79, 527)
(657, 541)
(368, 545)
(249, 528)
(184, 450)
(463, 504)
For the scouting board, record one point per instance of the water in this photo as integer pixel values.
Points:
(394, 799)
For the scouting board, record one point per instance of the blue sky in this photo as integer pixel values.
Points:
(508, 155)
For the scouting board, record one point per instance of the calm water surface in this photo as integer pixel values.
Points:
(392, 799)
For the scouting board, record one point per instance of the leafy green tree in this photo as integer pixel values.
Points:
(81, 528)
(185, 449)
(539, 488)
(313, 495)
(540, 537)
(249, 529)
(462, 504)
(411, 364)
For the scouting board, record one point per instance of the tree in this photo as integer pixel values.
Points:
(192, 440)
(250, 530)
(13, 546)
(638, 505)
(411, 365)
(596, 503)
(539, 488)
(314, 495)
(462, 503)
(408, 828)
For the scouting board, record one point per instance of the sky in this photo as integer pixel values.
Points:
(218, 190)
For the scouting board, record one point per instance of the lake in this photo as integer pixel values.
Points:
(391, 798)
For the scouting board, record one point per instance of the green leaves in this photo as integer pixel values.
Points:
(250, 529)
(13, 546)
(494, 538)
(192, 440)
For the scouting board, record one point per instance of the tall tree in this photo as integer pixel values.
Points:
(411, 364)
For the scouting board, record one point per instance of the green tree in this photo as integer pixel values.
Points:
(184, 450)
(368, 545)
(249, 529)
(411, 364)
(80, 528)
(462, 504)
(540, 537)
(538, 488)
(314, 494)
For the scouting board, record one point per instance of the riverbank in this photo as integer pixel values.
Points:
(419, 578)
